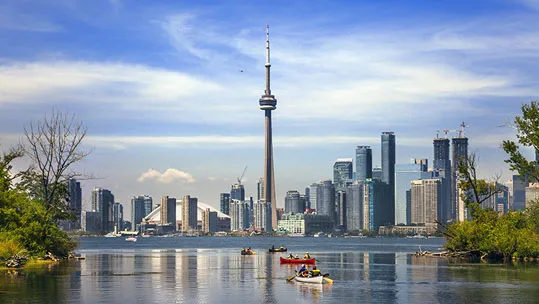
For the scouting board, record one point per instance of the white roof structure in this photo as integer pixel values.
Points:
(155, 215)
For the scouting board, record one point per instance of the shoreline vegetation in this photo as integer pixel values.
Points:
(33, 201)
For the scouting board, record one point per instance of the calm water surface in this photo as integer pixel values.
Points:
(210, 270)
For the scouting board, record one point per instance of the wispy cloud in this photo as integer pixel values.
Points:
(168, 176)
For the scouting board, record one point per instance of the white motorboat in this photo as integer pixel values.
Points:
(131, 239)
(316, 280)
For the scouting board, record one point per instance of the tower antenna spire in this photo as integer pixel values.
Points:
(268, 64)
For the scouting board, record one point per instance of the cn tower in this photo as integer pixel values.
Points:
(267, 104)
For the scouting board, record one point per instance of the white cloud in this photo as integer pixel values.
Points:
(169, 176)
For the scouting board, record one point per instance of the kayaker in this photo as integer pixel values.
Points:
(303, 268)
(272, 247)
(290, 256)
(307, 256)
(296, 257)
(282, 247)
(315, 272)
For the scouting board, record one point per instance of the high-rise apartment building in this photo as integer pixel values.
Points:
(425, 199)
(262, 216)
(260, 194)
(102, 201)
(342, 173)
(340, 210)
(75, 203)
(388, 170)
(325, 199)
(209, 221)
(189, 213)
(239, 215)
(118, 216)
(313, 196)
(363, 163)
(377, 173)
(519, 192)
(459, 154)
(354, 206)
(168, 211)
(140, 207)
(237, 192)
(442, 169)
(293, 202)
(224, 202)
(377, 203)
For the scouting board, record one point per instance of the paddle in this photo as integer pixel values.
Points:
(292, 277)
(328, 280)
(325, 275)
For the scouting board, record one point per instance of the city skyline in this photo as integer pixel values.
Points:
(150, 85)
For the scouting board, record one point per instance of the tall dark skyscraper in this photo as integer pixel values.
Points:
(363, 163)
(118, 216)
(325, 198)
(388, 171)
(140, 207)
(102, 201)
(237, 192)
(267, 104)
(342, 173)
(224, 201)
(459, 154)
(441, 156)
(75, 202)
(442, 168)
(293, 202)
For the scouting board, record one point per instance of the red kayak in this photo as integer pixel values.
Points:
(297, 261)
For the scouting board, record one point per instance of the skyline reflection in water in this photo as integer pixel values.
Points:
(220, 275)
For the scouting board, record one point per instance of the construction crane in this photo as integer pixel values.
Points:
(445, 132)
(463, 126)
(241, 177)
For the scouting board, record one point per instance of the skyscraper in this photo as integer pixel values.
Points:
(425, 199)
(354, 206)
(168, 211)
(239, 215)
(313, 196)
(292, 202)
(342, 173)
(237, 192)
(118, 216)
(340, 210)
(363, 163)
(442, 169)
(75, 202)
(189, 213)
(102, 201)
(459, 154)
(138, 210)
(224, 202)
(260, 195)
(209, 221)
(148, 204)
(325, 199)
(262, 215)
(388, 171)
(268, 103)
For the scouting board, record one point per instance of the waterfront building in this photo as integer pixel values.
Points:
(388, 154)
(118, 216)
(239, 215)
(304, 223)
(293, 202)
(189, 213)
(363, 163)
(91, 221)
(75, 203)
(209, 221)
(138, 210)
(459, 155)
(442, 169)
(340, 210)
(102, 201)
(262, 216)
(267, 104)
(224, 202)
(325, 200)
(425, 198)
(519, 192)
(404, 175)
(313, 196)
(342, 173)
(354, 206)
(237, 192)
(377, 204)
(168, 211)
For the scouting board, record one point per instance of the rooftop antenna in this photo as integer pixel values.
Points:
(268, 64)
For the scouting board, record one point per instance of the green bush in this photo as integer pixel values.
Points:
(9, 246)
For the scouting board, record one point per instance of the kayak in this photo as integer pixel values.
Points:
(317, 280)
(278, 250)
(297, 261)
(248, 253)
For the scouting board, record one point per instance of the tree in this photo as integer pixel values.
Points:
(54, 145)
(527, 127)
(475, 191)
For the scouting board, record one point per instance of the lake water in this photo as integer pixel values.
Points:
(211, 270)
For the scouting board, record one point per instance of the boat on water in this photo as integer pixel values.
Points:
(319, 234)
(131, 239)
(317, 280)
(283, 249)
(248, 253)
(296, 235)
(296, 261)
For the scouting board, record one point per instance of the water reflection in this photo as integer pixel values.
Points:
(216, 276)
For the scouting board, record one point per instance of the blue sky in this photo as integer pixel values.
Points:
(159, 86)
